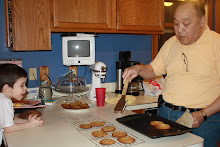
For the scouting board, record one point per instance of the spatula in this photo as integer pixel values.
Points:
(120, 106)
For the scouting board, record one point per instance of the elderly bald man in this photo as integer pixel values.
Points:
(191, 62)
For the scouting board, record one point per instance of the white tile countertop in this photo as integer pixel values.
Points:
(61, 129)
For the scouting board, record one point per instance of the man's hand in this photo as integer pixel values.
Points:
(197, 119)
(132, 71)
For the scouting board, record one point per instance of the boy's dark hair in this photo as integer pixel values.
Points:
(10, 73)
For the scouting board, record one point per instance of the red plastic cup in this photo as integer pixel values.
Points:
(100, 96)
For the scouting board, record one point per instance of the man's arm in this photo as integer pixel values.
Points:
(147, 72)
(209, 111)
(213, 108)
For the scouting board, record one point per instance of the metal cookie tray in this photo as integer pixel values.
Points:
(141, 124)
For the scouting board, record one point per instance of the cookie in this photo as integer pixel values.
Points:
(119, 134)
(72, 105)
(66, 106)
(77, 103)
(107, 141)
(126, 139)
(25, 114)
(163, 126)
(98, 123)
(84, 106)
(154, 123)
(99, 134)
(76, 107)
(108, 128)
(85, 126)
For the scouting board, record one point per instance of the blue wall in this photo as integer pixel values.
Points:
(107, 49)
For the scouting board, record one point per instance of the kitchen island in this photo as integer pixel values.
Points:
(61, 129)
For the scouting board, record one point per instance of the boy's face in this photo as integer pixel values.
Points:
(19, 89)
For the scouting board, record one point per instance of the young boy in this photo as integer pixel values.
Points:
(12, 85)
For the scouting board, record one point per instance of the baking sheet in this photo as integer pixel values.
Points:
(141, 124)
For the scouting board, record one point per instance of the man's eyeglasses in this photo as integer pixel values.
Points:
(185, 62)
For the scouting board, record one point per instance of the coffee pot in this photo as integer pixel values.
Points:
(124, 62)
(133, 87)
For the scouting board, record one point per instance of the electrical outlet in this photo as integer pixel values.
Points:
(32, 73)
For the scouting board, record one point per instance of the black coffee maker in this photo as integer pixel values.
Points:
(124, 62)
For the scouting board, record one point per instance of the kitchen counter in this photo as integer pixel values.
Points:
(61, 128)
(141, 102)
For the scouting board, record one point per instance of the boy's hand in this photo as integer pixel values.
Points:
(30, 116)
(35, 121)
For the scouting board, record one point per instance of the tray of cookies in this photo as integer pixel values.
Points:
(153, 125)
(101, 132)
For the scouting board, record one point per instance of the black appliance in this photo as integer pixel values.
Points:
(124, 62)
